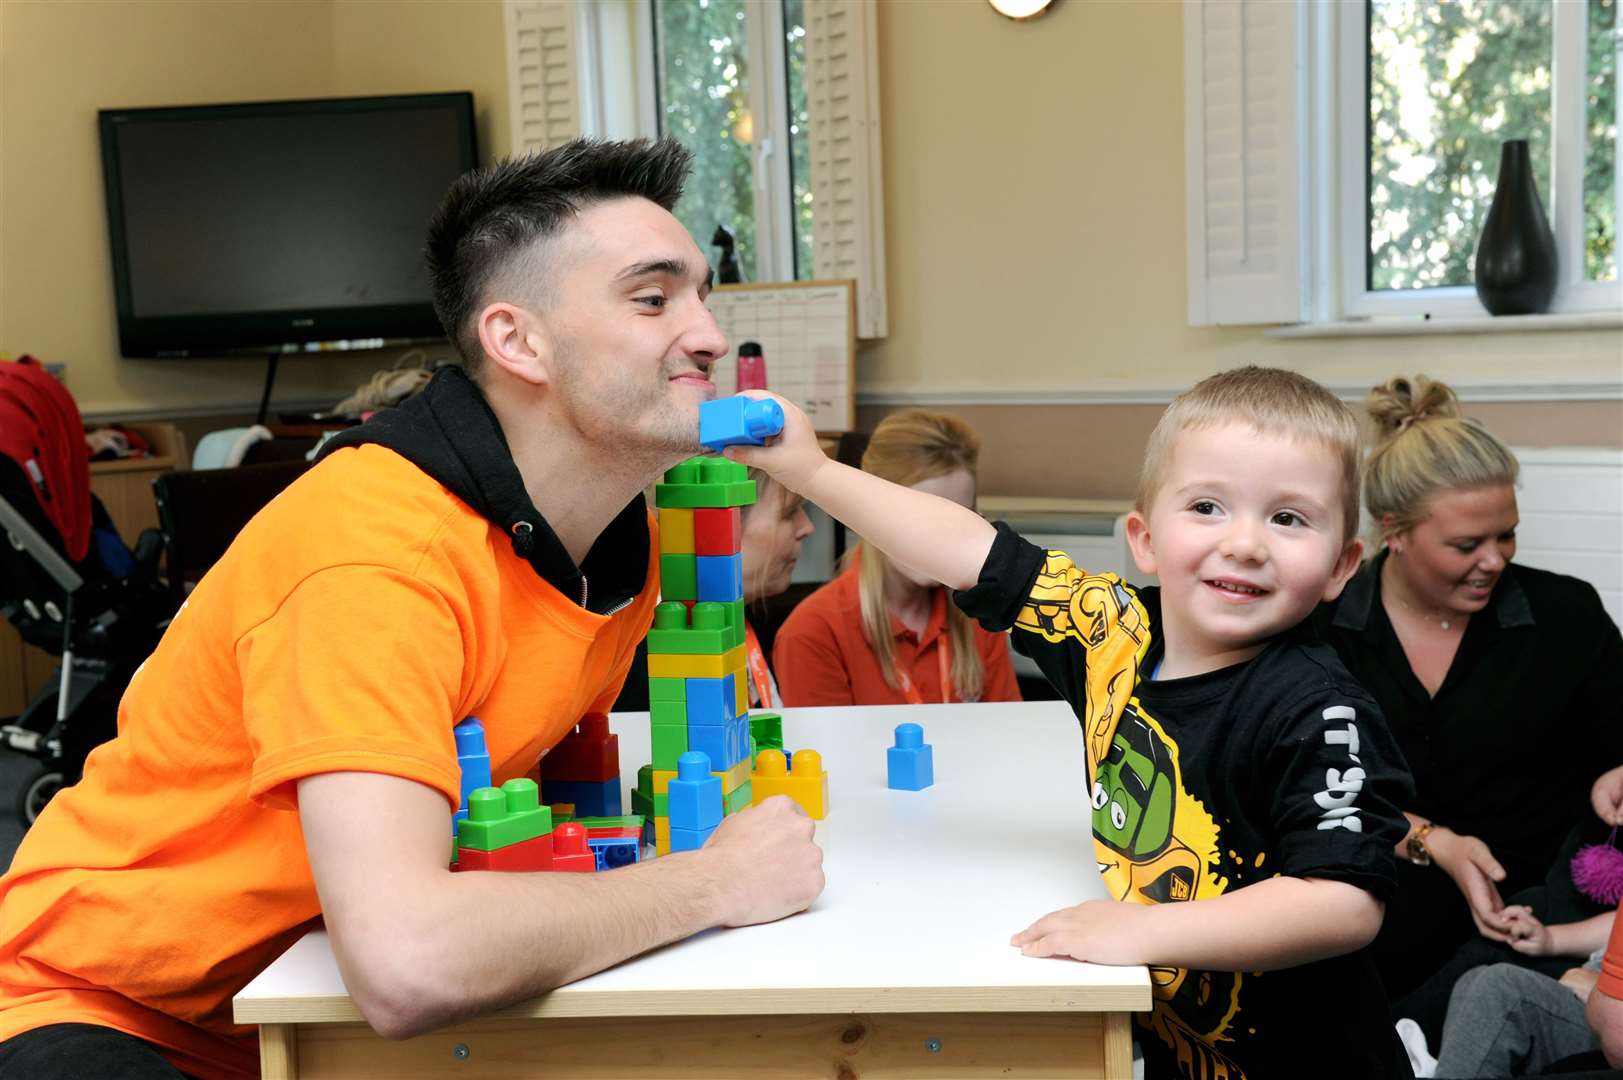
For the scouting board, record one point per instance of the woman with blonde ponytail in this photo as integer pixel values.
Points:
(1502, 684)
(880, 634)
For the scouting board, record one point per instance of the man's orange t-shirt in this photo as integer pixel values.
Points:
(361, 615)
(820, 656)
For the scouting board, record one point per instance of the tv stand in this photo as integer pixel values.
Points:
(270, 381)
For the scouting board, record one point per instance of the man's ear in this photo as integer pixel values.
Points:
(1342, 572)
(515, 342)
(1138, 542)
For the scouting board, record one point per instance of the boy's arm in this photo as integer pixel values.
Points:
(1531, 937)
(420, 947)
(932, 535)
(1278, 923)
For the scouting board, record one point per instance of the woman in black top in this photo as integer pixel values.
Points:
(1503, 684)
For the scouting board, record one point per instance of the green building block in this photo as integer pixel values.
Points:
(708, 634)
(705, 482)
(628, 821)
(668, 712)
(735, 622)
(678, 577)
(501, 817)
(766, 728)
(670, 741)
(737, 799)
(667, 690)
(562, 817)
(643, 794)
(641, 804)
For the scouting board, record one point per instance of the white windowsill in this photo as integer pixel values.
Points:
(1404, 325)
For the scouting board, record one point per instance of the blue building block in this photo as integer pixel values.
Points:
(711, 702)
(694, 795)
(712, 742)
(738, 741)
(471, 756)
(614, 852)
(721, 578)
(689, 839)
(592, 798)
(738, 420)
(910, 764)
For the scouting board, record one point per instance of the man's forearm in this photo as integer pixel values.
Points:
(1279, 923)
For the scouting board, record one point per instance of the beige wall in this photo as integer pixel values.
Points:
(1034, 201)
(61, 61)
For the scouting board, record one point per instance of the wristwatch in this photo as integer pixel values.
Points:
(1418, 854)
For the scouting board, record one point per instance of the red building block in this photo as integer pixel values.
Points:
(718, 531)
(587, 753)
(528, 856)
(569, 851)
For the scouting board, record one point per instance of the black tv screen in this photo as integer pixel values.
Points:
(278, 225)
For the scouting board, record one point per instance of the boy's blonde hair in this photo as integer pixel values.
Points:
(1272, 401)
(1423, 446)
(906, 448)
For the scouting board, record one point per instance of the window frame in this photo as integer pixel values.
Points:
(771, 185)
(1349, 113)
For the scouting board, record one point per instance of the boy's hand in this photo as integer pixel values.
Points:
(1098, 931)
(1607, 796)
(791, 458)
(1474, 869)
(1528, 935)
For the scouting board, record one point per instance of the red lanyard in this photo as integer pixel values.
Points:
(760, 677)
(944, 660)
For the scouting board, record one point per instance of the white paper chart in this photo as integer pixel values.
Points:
(805, 330)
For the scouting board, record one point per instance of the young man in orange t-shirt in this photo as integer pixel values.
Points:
(286, 753)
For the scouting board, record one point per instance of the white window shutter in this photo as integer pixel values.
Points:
(842, 100)
(1245, 95)
(543, 80)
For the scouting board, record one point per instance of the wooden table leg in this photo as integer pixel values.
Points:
(278, 1051)
(1118, 1046)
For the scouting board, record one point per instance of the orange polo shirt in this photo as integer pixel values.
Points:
(150, 893)
(820, 656)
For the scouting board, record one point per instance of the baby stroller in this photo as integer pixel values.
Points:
(67, 583)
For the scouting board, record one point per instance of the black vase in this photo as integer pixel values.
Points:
(1515, 256)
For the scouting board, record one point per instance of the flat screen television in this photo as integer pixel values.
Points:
(278, 226)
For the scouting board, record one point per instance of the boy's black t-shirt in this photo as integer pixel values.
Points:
(1281, 765)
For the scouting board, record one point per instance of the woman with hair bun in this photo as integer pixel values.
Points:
(879, 634)
(1503, 684)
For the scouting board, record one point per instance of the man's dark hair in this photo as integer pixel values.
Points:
(489, 216)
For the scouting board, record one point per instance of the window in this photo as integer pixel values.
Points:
(729, 85)
(1443, 85)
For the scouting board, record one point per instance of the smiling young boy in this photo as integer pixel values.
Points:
(1243, 786)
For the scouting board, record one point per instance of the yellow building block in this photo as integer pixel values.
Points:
(675, 531)
(806, 782)
(741, 691)
(662, 836)
(662, 780)
(692, 666)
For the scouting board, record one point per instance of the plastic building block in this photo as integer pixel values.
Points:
(498, 817)
(767, 730)
(720, 577)
(570, 852)
(705, 482)
(735, 621)
(562, 812)
(675, 531)
(738, 739)
(671, 741)
(669, 712)
(740, 798)
(910, 764)
(642, 803)
(695, 666)
(472, 757)
(711, 702)
(613, 852)
(718, 531)
(662, 835)
(739, 420)
(678, 577)
(599, 827)
(667, 690)
(590, 752)
(806, 782)
(595, 798)
(695, 795)
(689, 839)
(527, 856)
(711, 742)
(705, 632)
(741, 694)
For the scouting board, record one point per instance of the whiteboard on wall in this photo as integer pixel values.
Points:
(807, 334)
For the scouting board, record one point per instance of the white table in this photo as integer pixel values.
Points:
(901, 968)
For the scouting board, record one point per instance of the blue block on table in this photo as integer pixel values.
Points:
(689, 839)
(712, 743)
(693, 795)
(471, 756)
(910, 764)
(592, 798)
(614, 852)
(711, 702)
(721, 578)
(739, 421)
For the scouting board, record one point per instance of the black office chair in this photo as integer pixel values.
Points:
(202, 511)
(101, 624)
